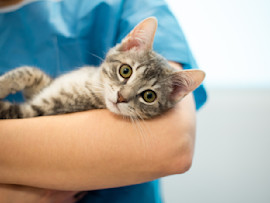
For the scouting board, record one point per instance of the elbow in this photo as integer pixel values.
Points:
(181, 164)
(181, 156)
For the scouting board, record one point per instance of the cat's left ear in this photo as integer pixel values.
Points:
(184, 82)
(141, 37)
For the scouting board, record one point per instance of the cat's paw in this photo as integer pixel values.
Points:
(4, 90)
(2, 95)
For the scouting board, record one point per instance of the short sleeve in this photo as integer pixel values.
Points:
(169, 39)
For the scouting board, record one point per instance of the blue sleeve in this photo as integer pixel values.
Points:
(169, 40)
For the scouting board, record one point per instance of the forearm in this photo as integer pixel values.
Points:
(95, 149)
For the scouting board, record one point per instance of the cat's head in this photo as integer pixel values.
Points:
(140, 83)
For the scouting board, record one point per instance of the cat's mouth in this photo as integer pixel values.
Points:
(113, 106)
(116, 106)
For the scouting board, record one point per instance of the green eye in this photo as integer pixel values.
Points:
(125, 71)
(149, 96)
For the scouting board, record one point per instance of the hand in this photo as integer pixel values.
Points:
(25, 194)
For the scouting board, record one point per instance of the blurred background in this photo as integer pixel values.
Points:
(231, 43)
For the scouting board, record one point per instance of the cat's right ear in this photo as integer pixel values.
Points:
(141, 37)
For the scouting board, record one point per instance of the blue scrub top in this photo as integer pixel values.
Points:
(58, 36)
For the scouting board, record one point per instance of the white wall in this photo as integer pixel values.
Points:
(231, 162)
(230, 39)
(231, 42)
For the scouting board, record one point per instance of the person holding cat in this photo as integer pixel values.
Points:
(91, 150)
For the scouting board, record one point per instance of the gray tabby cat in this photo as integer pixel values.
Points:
(132, 81)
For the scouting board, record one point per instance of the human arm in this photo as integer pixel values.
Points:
(95, 149)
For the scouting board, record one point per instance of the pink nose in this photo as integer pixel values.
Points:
(120, 98)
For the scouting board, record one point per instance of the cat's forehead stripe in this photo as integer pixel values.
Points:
(155, 82)
(139, 66)
(111, 60)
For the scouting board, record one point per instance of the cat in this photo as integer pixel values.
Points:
(132, 81)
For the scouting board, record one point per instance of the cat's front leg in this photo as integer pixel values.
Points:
(11, 82)
(5, 89)
(30, 80)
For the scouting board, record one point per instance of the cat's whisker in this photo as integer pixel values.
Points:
(141, 134)
(134, 124)
(98, 57)
(137, 120)
(146, 127)
(144, 124)
(144, 134)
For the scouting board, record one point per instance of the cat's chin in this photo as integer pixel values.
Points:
(116, 109)
(113, 107)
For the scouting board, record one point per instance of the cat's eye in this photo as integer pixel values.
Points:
(149, 96)
(125, 71)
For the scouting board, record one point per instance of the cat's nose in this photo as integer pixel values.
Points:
(120, 98)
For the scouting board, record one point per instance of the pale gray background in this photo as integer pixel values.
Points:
(231, 162)
(231, 42)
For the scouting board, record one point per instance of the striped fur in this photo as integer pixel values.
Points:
(94, 88)
(71, 92)
(103, 87)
